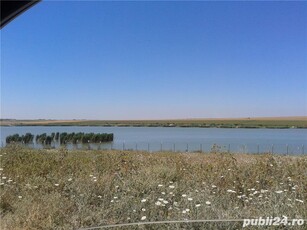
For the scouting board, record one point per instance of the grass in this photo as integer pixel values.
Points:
(282, 122)
(72, 189)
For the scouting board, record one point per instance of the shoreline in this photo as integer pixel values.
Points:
(212, 127)
(299, 122)
(255, 123)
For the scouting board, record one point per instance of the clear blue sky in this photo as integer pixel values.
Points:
(155, 60)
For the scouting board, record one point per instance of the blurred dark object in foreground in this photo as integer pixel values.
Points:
(11, 9)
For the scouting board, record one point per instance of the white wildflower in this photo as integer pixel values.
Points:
(171, 186)
(158, 203)
(70, 179)
(143, 209)
(144, 200)
(190, 199)
(184, 195)
(299, 200)
(208, 202)
(197, 205)
(19, 197)
(160, 185)
(213, 186)
(56, 185)
(278, 192)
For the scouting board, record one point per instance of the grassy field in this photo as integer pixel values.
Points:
(72, 189)
(264, 122)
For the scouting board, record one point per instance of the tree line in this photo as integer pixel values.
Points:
(63, 138)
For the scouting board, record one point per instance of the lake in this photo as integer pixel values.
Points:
(282, 141)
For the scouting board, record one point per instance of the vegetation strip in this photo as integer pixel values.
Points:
(63, 138)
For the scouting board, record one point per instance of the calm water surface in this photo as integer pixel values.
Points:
(291, 141)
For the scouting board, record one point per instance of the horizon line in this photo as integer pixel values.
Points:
(166, 119)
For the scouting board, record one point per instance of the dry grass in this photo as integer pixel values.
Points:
(63, 189)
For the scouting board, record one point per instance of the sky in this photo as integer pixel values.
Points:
(155, 60)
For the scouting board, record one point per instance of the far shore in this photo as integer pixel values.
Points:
(247, 122)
